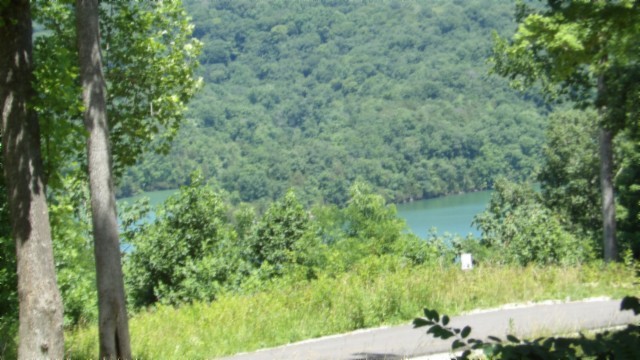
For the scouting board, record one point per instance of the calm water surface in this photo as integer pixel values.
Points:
(452, 214)
(155, 197)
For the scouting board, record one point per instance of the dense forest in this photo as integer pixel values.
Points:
(313, 118)
(313, 95)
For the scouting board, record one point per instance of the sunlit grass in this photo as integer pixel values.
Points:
(378, 292)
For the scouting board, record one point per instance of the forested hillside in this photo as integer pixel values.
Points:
(312, 95)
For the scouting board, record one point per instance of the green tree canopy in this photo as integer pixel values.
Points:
(149, 63)
(585, 51)
(314, 95)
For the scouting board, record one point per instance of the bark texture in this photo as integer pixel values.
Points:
(610, 244)
(40, 331)
(113, 322)
(608, 196)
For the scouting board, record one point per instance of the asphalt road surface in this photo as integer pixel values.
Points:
(401, 342)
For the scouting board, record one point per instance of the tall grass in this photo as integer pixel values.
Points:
(381, 291)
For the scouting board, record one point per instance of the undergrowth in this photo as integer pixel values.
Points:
(380, 291)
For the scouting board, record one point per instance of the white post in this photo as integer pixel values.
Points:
(467, 261)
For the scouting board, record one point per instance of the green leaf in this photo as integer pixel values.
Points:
(457, 344)
(431, 314)
(489, 351)
(440, 332)
(465, 332)
(445, 320)
(513, 339)
(420, 322)
(435, 330)
(446, 334)
(436, 316)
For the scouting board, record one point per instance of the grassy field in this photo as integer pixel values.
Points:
(380, 292)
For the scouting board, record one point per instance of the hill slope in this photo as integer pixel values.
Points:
(315, 94)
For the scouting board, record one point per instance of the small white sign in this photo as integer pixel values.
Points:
(467, 261)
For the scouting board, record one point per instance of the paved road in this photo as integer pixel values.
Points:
(400, 342)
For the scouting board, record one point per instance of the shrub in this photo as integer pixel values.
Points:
(189, 252)
(525, 231)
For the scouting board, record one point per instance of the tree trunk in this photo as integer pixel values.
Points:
(113, 322)
(40, 331)
(606, 183)
(608, 196)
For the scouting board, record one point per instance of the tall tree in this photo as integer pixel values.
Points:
(112, 312)
(149, 59)
(569, 174)
(40, 330)
(569, 48)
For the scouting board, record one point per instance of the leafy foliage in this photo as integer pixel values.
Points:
(314, 95)
(140, 41)
(628, 187)
(566, 45)
(150, 62)
(522, 230)
(8, 276)
(301, 100)
(620, 344)
(186, 254)
(283, 236)
(194, 250)
(569, 176)
(583, 51)
(73, 250)
(368, 218)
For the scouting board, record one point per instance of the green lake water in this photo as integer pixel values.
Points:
(449, 214)
(155, 197)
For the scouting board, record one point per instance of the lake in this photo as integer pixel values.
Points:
(155, 197)
(448, 214)
(452, 214)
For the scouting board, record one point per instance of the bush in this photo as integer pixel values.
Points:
(189, 252)
(524, 231)
(284, 236)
